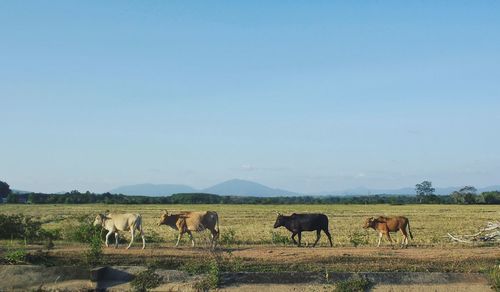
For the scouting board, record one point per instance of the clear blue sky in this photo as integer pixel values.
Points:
(302, 95)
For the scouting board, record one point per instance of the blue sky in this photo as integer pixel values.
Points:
(301, 95)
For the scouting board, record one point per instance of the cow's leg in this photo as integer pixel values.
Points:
(132, 233)
(107, 237)
(143, 239)
(179, 238)
(404, 241)
(300, 238)
(379, 238)
(318, 235)
(389, 238)
(215, 236)
(293, 238)
(191, 237)
(329, 236)
(116, 239)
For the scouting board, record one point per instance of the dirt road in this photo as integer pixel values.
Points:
(432, 259)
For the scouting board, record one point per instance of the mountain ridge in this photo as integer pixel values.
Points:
(240, 187)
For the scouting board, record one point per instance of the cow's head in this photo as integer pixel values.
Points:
(163, 218)
(99, 219)
(369, 222)
(280, 220)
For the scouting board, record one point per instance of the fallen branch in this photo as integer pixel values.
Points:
(480, 236)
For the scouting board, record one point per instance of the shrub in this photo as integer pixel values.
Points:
(228, 237)
(277, 238)
(358, 238)
(153, 236)
(15, 256)
(83, 232)
(212, 279)
(353, 284)
(93, 255)
(494, 276)
(146, 280)
(18, 226)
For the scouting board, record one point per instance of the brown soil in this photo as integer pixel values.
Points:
(454, 259)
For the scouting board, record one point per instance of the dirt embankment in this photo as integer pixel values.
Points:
(349, 259)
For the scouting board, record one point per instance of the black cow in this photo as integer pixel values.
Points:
(296, 223)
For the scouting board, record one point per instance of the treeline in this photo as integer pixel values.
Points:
(76, 197)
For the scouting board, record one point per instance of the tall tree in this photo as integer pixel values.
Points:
(466, 195)
(425, 192)
(4, 189)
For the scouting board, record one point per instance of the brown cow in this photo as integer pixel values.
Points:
(384, 225)
(186, 222)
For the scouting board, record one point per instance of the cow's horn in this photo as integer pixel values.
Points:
(277, 213)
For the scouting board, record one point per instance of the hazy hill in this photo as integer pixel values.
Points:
(239, 187)
(153, 189)
(246, 188)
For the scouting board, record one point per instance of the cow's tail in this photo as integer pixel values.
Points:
(217, 222)
(138, 224)
(409, 230)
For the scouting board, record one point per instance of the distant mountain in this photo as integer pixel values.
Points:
(246, 188)
(239, 187)
(153, 189)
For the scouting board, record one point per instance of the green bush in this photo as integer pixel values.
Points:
(212, 278)
(23, 227)
(494, 276)
(153, 236)
(353, 284)
(146, 280)
(15, 256)
(358, 238)
(83, 232)
(228, 237)
(277, 238)
(93, 255)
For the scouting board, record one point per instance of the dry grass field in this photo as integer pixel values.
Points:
(253, 224)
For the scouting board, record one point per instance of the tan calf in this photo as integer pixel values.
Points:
(385, 225)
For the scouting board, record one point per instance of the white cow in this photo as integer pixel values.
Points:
(121, 222)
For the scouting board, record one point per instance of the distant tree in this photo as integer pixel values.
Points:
(425, 192)
(491, 197)
(12, 198)
(466, 195)
(4, 189)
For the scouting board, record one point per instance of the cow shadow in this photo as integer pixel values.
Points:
(107, 277)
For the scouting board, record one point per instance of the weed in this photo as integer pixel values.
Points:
(277, 238)
(93, 255)
(228, 237)
(83, 232)
(212, 279)
(494, 276)
(153, 236)
(358, 238)
(15, 256)
(353, 284)
(146, 280)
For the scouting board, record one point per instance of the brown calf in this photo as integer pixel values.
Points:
(192, 221)
(384, 225)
